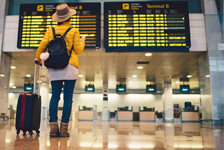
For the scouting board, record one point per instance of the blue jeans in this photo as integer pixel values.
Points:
(68, 94)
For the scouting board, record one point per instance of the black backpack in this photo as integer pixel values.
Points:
(58, 55)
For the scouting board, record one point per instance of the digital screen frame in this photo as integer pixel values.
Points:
(28, 88)
(121, 88)
(154, 26)
(150, 88)
(90, 88)
(184, 89)
(35, 19)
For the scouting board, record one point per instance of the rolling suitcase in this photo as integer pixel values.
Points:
(29, 110)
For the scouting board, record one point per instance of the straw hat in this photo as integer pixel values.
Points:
(63, 13)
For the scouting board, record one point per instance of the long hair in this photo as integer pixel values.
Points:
(60, 23)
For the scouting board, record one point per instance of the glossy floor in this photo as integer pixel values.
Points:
(116, 135)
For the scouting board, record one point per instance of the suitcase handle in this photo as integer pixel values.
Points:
(34, 85)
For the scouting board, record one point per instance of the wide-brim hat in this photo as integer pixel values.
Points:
(63, 13)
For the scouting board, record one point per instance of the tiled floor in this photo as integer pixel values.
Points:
(117, 135)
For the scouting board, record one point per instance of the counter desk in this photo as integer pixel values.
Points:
(125, 114)
(146, 114)
(85, 113)
(190, 116)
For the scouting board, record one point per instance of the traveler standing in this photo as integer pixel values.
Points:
(68, 75)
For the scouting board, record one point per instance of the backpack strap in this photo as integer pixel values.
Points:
(66, 32)
(70, 52)
(53, 32)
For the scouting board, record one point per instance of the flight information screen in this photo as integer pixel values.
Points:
(35, 19)
(146, 26)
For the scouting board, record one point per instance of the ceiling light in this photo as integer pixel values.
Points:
(11, 84)
(84, 81)
(80, 75)
(2, 75)
(134, 76)
(189, 76)
(28, 75)
(130, 81)
(207, 76)
(13, 67)
(14, 87)
(148, 54)
(39, 81)
(140, 67)
(177, 82)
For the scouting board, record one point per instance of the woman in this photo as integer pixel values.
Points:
(67, 75)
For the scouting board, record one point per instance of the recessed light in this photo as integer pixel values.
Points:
(11, 84)
(2, 75)
(39, 81)
(177, 82)
(207, 76)
(189, 76)
(140, 67)
(84, 81)
(13, 67)
(14, 87)
(28, 75)
(134, 76)
(148, 54)
(130, 81)
(80, 75)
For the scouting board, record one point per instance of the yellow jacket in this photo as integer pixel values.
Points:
(71, 38)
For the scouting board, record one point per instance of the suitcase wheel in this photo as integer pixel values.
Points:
(38, 132)
(17, 132)
(24, 132)
(31, 132)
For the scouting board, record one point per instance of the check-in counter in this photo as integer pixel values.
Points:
(190, 115)
(85, 113)
(146, 114)
(125, 113)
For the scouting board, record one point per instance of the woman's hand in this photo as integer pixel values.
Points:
(39, 61)
(83, 38)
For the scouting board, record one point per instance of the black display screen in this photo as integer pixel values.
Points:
(146, 26)
(28, 88)
(150, 88)
(184, 89)
(121, 88)
(90, 88)
(35, 19)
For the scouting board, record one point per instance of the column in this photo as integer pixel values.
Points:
(214, 104)
(168, 104)
(5, 62)
(205, 87)
(105, 103)
(44, 92)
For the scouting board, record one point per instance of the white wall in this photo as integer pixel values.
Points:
(119, 100)
(180, 99)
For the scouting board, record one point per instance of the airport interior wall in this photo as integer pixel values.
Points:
(120, 100)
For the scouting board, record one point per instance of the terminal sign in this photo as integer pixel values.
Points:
(35, 19)
(146, 26)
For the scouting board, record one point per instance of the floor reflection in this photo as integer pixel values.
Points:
(26, 142)
(116, 135)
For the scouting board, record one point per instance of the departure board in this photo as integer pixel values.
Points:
(35, 19)
(146, 26)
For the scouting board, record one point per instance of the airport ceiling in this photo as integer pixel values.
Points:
(98, 67)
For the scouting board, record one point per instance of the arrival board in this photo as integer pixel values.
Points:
(35, 19)
(146, 26)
